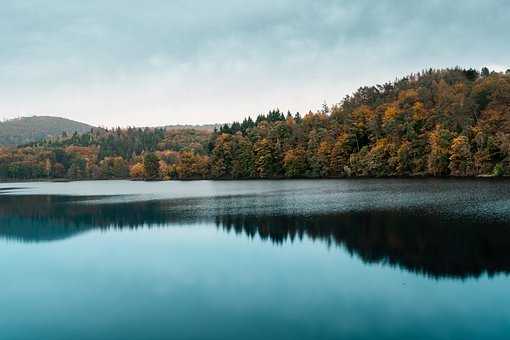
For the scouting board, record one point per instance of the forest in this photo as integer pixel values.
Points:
(450, 122)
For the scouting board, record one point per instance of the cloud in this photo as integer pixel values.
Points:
(158, 61)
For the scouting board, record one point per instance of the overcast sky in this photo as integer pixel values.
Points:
(154, 62)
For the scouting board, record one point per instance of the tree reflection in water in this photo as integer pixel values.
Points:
(420, 241)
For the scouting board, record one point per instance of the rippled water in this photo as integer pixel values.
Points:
(354, 259)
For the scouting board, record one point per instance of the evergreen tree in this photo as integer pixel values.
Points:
(151, 166)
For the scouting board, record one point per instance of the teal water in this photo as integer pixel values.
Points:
(362, 259)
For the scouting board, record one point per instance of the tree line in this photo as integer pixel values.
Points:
(451, 122)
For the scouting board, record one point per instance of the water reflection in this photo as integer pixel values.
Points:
(422, 241)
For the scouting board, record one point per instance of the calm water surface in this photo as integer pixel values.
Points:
(346, 259)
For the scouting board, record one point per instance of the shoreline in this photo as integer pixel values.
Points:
(486, 177)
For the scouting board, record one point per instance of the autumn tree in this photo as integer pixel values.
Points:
(264, 159)
(461, 158)
(294, 162)
(137, 171)
(377, 160)
(340, 154)
(438, 159)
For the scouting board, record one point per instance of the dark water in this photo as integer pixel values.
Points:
(361, 259)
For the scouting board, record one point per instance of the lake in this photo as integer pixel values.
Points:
(303, 259)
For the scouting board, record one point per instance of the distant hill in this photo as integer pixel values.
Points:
(31, 129)
(203, 127)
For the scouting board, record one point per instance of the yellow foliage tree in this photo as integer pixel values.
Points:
(137, 171)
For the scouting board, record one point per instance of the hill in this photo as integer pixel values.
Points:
(203, 127)
(450, 122)
(32, 129)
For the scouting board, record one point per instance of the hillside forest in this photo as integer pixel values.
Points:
(451, 122)
(25, 130)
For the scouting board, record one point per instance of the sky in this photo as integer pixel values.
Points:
(160, 62)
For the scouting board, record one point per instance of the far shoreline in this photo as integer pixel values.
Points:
(411, 178)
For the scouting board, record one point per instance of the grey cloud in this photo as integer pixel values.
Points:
(302, 48)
